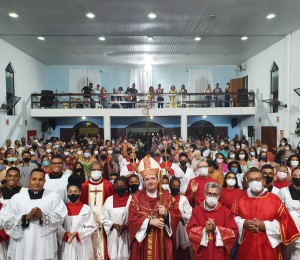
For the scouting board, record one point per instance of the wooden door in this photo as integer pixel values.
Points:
(269, 137)
(236, 84)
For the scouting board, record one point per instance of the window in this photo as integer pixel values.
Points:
(10, 87)
(274, 85)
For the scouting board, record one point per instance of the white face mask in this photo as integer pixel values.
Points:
(125, 141)
(110, 152)
(231, 182)
(281, 175)
(71, 150)
(96, 152)
(211, 201)
(48, 150)
(232, 156)
(219, 160)
(255, 186)
(66, 153)
(287, 148)
(96, 175)
(222, 143)
(165, 186)
(263, 149)
(282, 143)
(79, 152)
(294, 163)
(241, 156)
(237, 147)
(203, 171)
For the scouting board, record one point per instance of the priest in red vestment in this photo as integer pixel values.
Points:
(152, 226)
(195, 189)
(212, 230)
(94, 193)
(263, 221)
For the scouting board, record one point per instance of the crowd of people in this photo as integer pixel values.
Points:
(100, 98)
(89, 198)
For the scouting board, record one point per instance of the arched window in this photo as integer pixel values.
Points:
(274, 85)
(10, 88)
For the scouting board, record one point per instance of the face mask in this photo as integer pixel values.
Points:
(231, 182)
(134, 187)
(11, 159)
(264, 158)
(110, 152)
(296, 181)
(234, 170)
(283, 143)
(281, 175)
(232, 156)
(66, 153)
(86, 155)
(219, 160)
(31, 152)
(26, 160)
(222, 143)
(1, 167)
(71, 150)
(112, 181)
(79, 152)
(48, 150)
(203, 171)
(96, 175)
(165, 186)
(255, 186)
(263, 149)
(183, 163)
(287, 148)
(112, 142)
(45, 163)
(56, 146)
(174, 137)
(165, 158)
(125, 141)
(237, 147)
(211, 201)
(121, 191)
(294, 163)
(73, 198)
(269, 179)
(252, 153)
(156, 155)
(175, 191)
(103, 157)
(96, 152)
(241, 156)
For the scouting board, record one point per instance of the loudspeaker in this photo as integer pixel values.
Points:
(250, 131)
(234, 122)
(52, 123)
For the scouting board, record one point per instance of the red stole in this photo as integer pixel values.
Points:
(119, 202)
(74, 209)
(163, 165)
(227, 227)
(130, 168)
(281, 184)
(267, 207)
(3, 235)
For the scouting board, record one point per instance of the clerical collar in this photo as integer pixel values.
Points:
(209, 209)
(55, 176)
(95, 182)
(7, 193)
(253, 195)
(35, 195)
(152, 195)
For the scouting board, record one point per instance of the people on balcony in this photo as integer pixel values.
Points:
(183, 96)
(160, 98)
(217, 97)
(208, 97)
(172, 96)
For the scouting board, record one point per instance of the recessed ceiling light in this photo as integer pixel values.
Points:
(271, 16)
(150, 38)
(197, 38)
(83, 117)
(102, 38)
(13, 15)
(152, 16)
(244, 38)
(41, 38)
(90, 15)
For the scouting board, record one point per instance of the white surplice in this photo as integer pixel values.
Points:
(3, 245)
(292, 251)
(117, 246)
(85, 225)
(39, 240)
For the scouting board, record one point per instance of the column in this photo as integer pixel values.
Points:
(184, 132)
(107, 127)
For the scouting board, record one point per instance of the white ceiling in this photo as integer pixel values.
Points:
(72, 38)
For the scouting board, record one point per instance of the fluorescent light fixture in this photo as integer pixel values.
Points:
(13, 15)
(90, 15)
(197, 38)
(150, 38)
(271, 16)
(152, 15)
(41, 38)
(244, 38)
(101, 38)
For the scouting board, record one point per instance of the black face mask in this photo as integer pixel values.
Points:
(103, 157)
(165, 158)
(296, 181)
(157, 155)
(120, 191)
(174, 191)
(73, 198)
(269, 179)
(134, 187)
(183, 163)
(26, 160)
(264, 158)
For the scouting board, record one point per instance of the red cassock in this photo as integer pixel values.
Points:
(228, 196)
(226, 225)
(3, 235)
(199, 195)
(142, 207)
(267, 207)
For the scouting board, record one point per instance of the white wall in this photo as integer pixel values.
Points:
(30, 75)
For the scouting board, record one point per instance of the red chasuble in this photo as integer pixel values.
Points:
(142, 207)
(267, 207)
(228, 196)
(224, 220)
(199, 195)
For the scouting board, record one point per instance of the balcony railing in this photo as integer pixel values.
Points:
(111, 100)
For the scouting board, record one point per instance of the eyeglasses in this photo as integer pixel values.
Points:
(268, 173)
(214, 195)
(257, 179)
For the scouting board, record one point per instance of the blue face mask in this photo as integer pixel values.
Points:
(252, 153)
(45, 163)
(1, 167)
(234, 170)
(11, 159)
(55, 146)
(86, 155)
